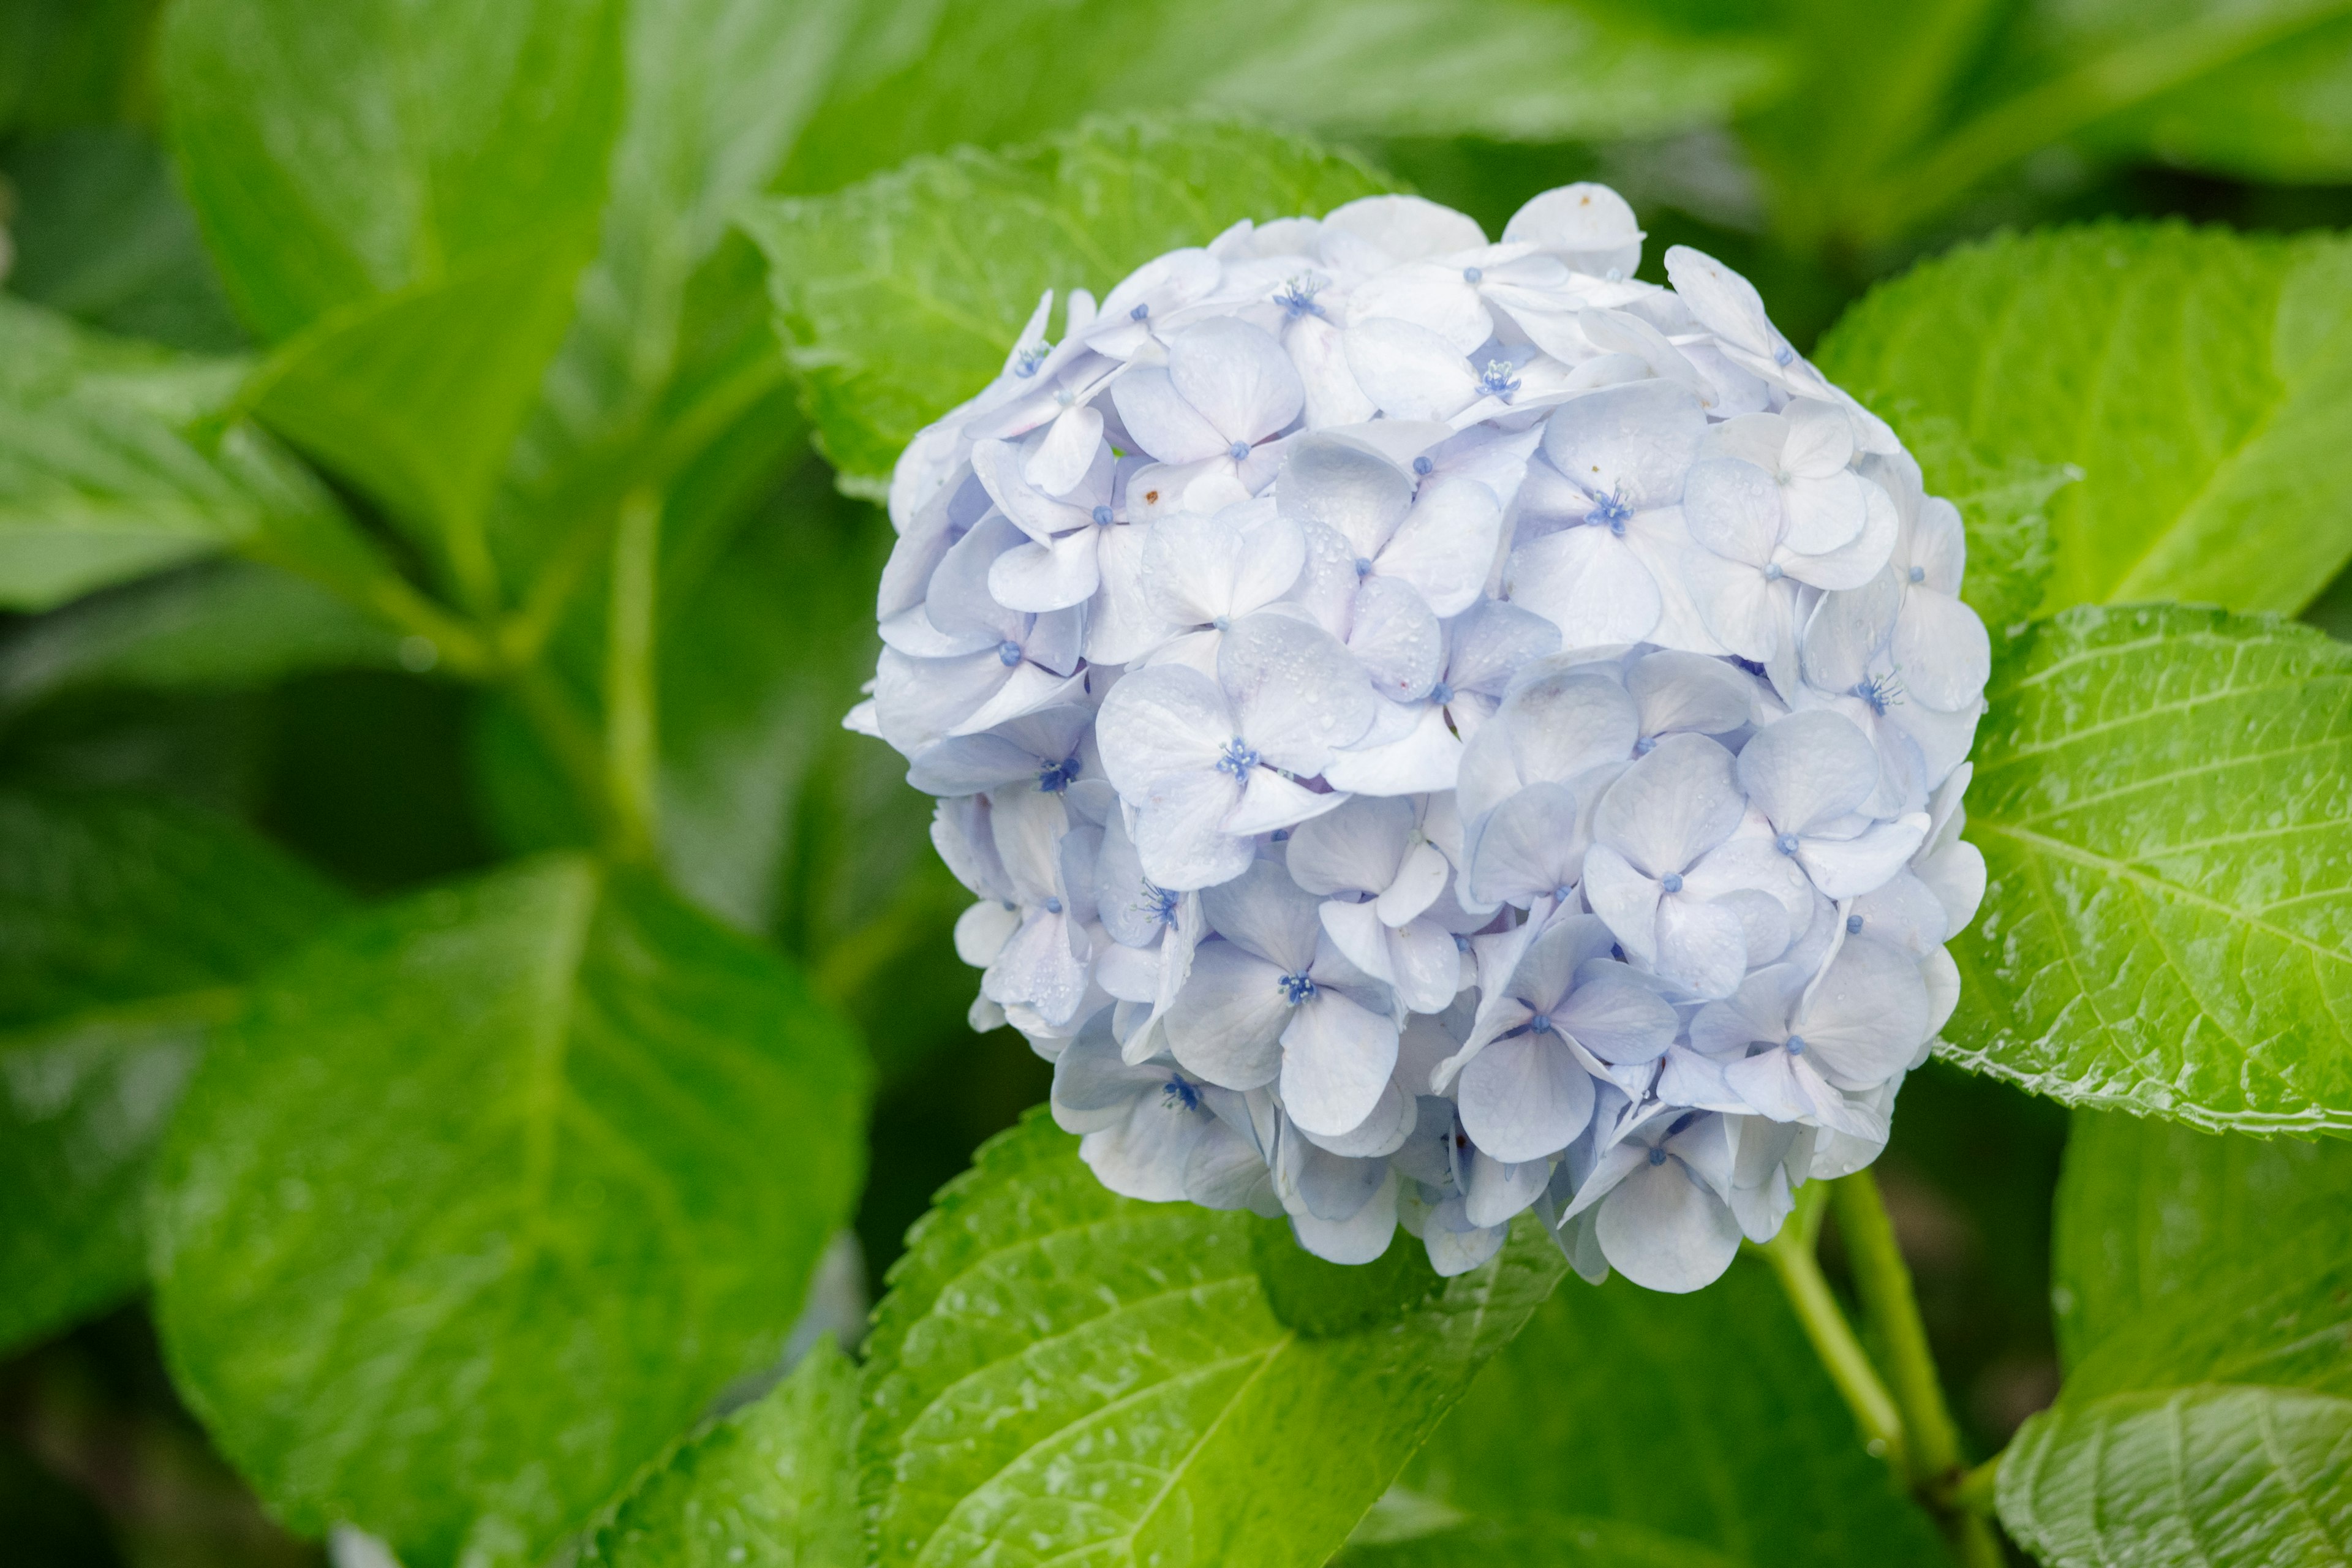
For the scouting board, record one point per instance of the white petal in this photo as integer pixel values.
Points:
(1689, 691)
(1702, 947)
(1395, 639)
(1824, 513)
(1528, 848)
(1589, 224)
(1357, 493)
(1633, 442)
(1181, 831)
(1671, 807)
(1866, 1015)
(1269, 801)
(1726, 303)
(1361, 1239)
(1072, 443)
(1496, 1190)
(1664, 1231)
(1446, 544)
(1157, 722)
(1420, 878)
(1298, 695)
(1236, 376)
(1565, 723)
(1620, 895)
(1146, 1154)
(1401, 228)
(1733, 509)
(1039, 577)
(1409, 371)
(1942, 650)
(1227, 1022)
(1426, 758)
(1162, 421)
(1264, 912)
(1430, 295)
(1848, 867)
(1525, 1097)
(1587, 583)
(1357, 849)
(981, 932)
(1337, 1059)
(1808, 769)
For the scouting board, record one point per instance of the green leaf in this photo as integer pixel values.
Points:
(103, 234)
(71, 62)
(486, 1198)
(2164, 800)
(774, 1485)
(672, 343)
(2200, 380)
(218, 625)
(104, 475)
(899, 298)
(380, 393)
(335, 152)
(1058, 1372)
(2204, 1477)
(2150, 1212)
(1563, 1543)
(1705, 1417)
(125, 928)
(2280, 113)
(923, 79)
(2214, 1430)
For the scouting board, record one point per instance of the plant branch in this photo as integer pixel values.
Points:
(1792, 1258)
(630, 748)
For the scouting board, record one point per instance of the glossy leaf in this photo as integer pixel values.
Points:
(672, 343)
(106, 472)
(2005, 504)
(218, 625)
(2150, 1212)
(2213, 1430)
(104, 235)
(2164, 800)
(126, 927)
(489, 1196)
(774, 1485)
(382, 392)
(2198, 380)
(1060, 1372)
(1704, 1418)
(899, 298)
(993, 71)
(335, 152)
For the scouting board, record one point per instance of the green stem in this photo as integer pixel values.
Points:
(630, 754)
(1792, 1257)
(1883, 1282)
(1935, 1466)
(2057, 109)
(1978, 1488)
(556, 719)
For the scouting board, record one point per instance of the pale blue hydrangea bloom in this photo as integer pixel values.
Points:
(1440, 730)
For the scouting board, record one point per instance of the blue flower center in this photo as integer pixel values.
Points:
(1031, 359)
(1297, 296)
(1560, 893)
(1853, 925)
(1918, 574)
(1671, 881)
(1786, 844)
(1772, 573)
(1471, 274)
(1610, 513)
(1237, 759)
(1008, 653)
(1056, 777)
(1159, 904)
(1140, 312)
(1423, 467)
(1881, 691)
(1440, 694)
(1180, 1094)
(1102, 517)
(1645, 745)
(1796, 1045)
(1497, 380)
(1657, 1156)
(1541, 1024)
(1239, 451)
(1297, 989)
(1364, 565)
(1784, 355)
(1053, 906)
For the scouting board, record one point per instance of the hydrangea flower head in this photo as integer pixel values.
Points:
(1438, 729)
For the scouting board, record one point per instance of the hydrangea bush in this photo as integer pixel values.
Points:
(1438, 728)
